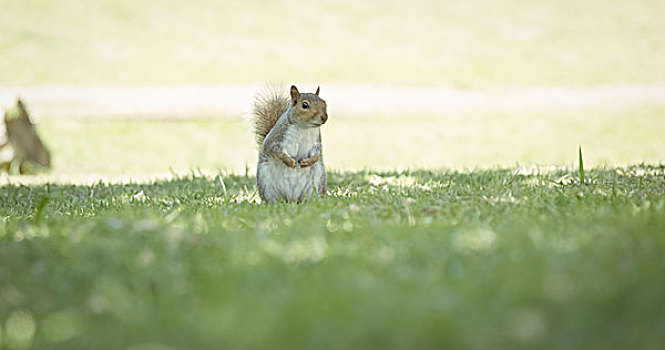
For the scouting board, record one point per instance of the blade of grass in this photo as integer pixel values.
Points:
(581, 163)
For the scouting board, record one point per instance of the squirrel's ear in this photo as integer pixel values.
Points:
(295, 95)
(318, 88)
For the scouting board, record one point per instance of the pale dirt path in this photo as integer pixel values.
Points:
(233, 101)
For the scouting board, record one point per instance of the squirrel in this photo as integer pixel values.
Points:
(288, 133)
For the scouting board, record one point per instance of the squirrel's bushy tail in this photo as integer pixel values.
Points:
(269, 104)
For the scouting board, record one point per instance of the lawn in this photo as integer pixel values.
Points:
(523, 257)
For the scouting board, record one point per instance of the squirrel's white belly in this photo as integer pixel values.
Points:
(286, 183)
(291, 184)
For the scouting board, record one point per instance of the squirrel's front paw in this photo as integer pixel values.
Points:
(307, 162)
(286, 159)
(290, 162)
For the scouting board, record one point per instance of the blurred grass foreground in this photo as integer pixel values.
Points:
(390, 260)
(458, 214)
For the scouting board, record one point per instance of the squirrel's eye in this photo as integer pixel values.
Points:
(305, 105)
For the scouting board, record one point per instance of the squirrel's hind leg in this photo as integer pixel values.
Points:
(266, 184)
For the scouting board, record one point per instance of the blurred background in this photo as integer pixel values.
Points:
(147, 88)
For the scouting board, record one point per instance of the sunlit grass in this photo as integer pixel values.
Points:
(457, 43)
(455, 140)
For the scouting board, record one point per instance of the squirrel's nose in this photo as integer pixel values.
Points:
(324, 117)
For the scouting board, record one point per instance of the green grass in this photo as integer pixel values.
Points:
(465, 44)
(502, 258)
